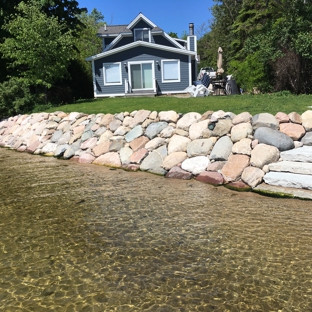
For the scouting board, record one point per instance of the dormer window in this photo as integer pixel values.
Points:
(143, 34)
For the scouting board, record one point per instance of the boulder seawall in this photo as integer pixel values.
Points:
(220, 148)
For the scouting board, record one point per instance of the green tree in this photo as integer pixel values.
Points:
(38, 47)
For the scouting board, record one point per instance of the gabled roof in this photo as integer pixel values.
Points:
(138, 44)
(120, 31)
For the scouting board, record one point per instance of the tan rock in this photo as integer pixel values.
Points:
(174, 159)
(234, 167)
(264, 154)
(138, 156)
(138, 143)
(110, 159)
(295, 131)
(242, 118)
(282, 117)
(252, 176)
(242, 147)
(241, 131)
(101, 148)
(307, 120)
(295, 118)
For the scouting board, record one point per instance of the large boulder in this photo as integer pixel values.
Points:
(307, 120)
(178, 143)
(263, 155)
(275, 138)
(222, 149)
(155, 128)
(234, 167)
(200, 147)
(264, 120)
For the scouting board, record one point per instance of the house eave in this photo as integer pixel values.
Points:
(138, 44)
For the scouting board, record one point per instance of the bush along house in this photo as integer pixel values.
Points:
(140, 58)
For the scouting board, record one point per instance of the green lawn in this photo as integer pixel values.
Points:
(253, 104)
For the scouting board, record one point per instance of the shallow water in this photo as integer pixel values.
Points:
(85, 238)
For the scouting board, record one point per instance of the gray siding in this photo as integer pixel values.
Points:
(160, 39)
(142, 54)
(192, 44)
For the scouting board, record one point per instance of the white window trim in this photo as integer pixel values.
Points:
(104, 75)
(142, 62)
(149, 33)
(162, 71)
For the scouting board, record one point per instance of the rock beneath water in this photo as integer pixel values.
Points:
(86, 158)
(301, 154)
(187, 120)
(307, 120)
(110, 159)
(263, 155)
(211, 177)
(200, 147)
(178, 143)
(264, 120)
(241, 131)
(222, 149)
(292, 167)
(286, 179)
(307, 139)
(295, 131)
(155, 128)
(195, 165)
(234, 167)
(275, 138)
(252, 176)
(178, 173)
(174, 159)
(238, 186)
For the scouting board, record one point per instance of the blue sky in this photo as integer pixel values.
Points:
(170, 15)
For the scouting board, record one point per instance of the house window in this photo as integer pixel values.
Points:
(170, 70)
(142, 34)
(112, 74)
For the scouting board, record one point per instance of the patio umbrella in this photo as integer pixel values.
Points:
(219, 62)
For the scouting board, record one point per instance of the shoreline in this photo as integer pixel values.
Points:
(241, 152)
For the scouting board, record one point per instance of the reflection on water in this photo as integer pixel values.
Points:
(86, 238)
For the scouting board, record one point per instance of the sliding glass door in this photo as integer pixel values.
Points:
(141, 76)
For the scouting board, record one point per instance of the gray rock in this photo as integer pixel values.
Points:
(301, 154)
(286, 179)
(154, 128)
(222, 127)
(222, 149)
(264, 120)
(153, 163)
(292, 167)
(86, 135)
(64, 138)
(200, 147)
(275, 138)
(125, 154)
(307, 139)
(115, 124)
(116, 145)
(134, 133)
(60, 150)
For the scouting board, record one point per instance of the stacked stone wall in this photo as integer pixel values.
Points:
(214, 147)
